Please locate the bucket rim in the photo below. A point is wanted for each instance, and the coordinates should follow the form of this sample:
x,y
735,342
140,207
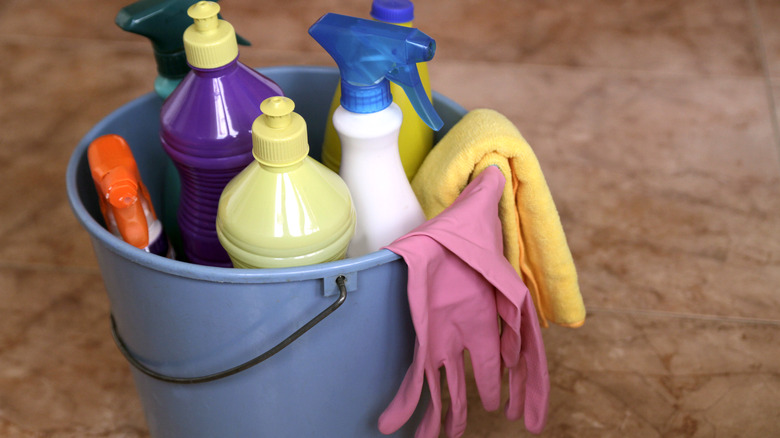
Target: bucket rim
x,y
101,236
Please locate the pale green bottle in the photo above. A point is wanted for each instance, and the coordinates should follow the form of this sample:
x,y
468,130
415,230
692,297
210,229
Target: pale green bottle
x,y
285,209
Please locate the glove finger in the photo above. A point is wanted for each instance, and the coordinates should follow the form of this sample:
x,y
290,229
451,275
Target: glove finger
x,y
455,422
430,425
406,399
515,405
511,346
511,320
509,311
485,361
537,385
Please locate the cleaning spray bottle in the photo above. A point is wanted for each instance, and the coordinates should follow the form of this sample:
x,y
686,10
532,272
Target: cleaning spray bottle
x,y
285,209
124,200
163,22
416,138
206,127
369,55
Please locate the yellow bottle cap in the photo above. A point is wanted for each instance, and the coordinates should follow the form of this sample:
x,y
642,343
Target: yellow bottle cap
x,y
209,42
279,134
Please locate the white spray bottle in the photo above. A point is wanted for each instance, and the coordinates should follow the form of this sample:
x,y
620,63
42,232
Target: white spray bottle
x,y
369,54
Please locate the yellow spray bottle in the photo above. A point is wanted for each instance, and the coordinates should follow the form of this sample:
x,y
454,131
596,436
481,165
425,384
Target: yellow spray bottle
x,y
416,138
284,209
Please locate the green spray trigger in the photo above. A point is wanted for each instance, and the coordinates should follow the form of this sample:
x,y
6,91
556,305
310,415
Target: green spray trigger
x,y
163,22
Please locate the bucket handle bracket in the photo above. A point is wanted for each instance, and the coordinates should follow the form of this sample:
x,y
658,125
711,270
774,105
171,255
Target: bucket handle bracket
x,y
332,287
341,283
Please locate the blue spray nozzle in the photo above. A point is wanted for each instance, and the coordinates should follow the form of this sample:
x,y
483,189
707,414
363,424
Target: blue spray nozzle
x,y
368,54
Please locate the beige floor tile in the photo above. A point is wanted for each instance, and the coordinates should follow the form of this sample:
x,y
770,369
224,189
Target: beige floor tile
x,y
703,37
75,20
60,374
680,36
285,29
273,28
4,5
651,376
667,185
654,129
49,105
632,122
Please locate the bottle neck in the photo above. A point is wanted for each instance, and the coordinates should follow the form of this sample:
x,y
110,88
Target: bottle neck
x,y
172,65
281,169
366,99
215,72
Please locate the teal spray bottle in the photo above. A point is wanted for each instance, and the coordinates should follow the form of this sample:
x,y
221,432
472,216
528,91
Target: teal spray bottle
x,y
163,22
369,55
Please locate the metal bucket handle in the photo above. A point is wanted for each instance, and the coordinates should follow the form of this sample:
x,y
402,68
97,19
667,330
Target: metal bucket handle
x,y
340,282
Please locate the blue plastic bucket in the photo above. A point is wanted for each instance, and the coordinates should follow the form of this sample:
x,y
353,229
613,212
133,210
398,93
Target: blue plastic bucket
x,y
181,320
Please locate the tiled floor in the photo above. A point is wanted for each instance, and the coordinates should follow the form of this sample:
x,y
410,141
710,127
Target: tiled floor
x,y
655,123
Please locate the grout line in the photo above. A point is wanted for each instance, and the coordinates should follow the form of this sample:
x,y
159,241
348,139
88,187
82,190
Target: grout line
x,y
679,315
759,36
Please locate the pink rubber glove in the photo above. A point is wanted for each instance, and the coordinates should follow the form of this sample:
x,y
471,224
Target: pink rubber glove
x,y
456,267
452,310
529,382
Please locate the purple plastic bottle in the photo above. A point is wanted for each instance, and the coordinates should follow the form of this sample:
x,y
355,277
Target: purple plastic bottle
x,y
206,128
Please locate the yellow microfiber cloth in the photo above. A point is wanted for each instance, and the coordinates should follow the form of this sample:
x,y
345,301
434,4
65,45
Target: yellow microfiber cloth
x,y
534,241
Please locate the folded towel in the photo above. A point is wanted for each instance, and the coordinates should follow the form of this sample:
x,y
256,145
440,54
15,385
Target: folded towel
x,y
534,241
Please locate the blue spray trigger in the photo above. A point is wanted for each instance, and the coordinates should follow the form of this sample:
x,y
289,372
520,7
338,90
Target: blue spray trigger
x,y
367,52
408,78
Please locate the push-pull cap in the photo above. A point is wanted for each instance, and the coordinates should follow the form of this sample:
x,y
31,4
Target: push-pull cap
x,y
368,54
279,135
209,42
163,22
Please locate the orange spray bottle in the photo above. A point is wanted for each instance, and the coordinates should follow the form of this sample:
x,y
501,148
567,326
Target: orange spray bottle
x,y
124,200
